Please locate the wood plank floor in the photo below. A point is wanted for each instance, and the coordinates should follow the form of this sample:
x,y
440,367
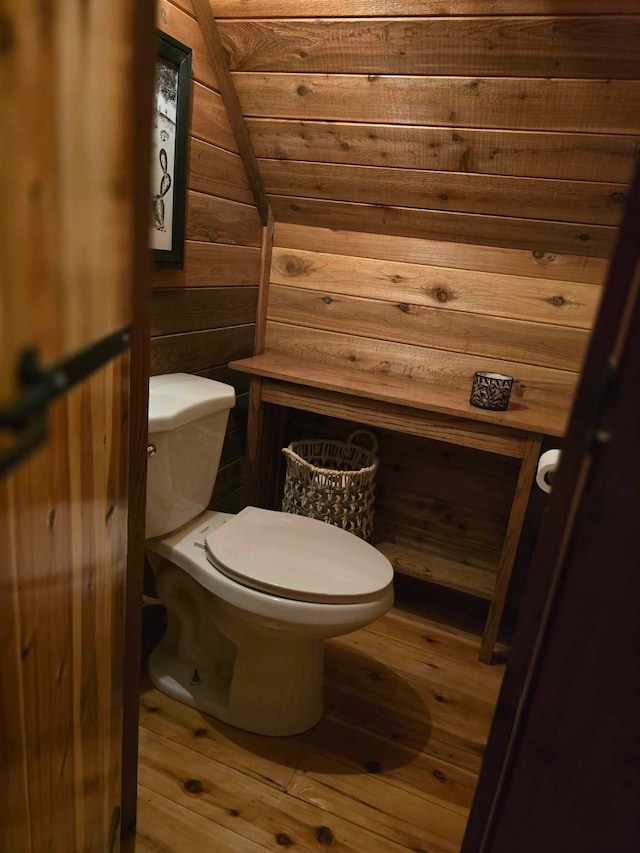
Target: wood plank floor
x,y
392,766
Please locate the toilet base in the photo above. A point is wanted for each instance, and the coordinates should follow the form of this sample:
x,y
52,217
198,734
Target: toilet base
x,y
262,681
276,688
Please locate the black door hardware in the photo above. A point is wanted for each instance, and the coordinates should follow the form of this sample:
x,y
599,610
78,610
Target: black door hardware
x,y
26,417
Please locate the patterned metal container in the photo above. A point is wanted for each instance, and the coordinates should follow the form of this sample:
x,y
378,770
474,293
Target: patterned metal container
x,y
491,391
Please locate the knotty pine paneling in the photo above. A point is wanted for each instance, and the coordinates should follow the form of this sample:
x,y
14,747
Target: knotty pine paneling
x,y
541,237
438,253
218,220
408,323
217,172
527,198
516,297
203,316
571,156
193,352
395,8
63,535
193,309
213,264
209,120
506,124
511,103
505,46
401,307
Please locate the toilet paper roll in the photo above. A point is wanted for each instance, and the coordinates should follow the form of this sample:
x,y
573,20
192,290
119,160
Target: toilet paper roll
x,y
547,465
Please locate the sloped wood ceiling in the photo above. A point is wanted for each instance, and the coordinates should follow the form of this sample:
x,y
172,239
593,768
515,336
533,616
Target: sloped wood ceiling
x,y
505,122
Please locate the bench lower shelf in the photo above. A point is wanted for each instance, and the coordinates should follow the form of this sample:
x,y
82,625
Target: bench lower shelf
x,y
429,566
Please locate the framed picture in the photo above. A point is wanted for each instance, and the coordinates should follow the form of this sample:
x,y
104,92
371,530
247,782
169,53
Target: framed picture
x,y
169,148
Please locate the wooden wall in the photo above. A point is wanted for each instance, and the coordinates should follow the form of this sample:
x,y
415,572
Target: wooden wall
x,y
435,311
511,123
203,316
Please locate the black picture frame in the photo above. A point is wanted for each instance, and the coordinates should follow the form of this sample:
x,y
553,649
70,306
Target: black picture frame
x,y
175,53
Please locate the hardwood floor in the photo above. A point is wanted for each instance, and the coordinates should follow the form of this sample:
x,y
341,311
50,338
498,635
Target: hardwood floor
x,y
391,767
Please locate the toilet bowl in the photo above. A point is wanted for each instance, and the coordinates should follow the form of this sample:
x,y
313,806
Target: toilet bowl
x,y
251,597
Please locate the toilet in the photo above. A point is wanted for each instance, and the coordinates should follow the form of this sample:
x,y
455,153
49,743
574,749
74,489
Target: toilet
x,y
250,597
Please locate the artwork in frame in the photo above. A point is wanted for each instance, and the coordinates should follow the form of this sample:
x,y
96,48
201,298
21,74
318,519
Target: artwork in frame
x,y
169,150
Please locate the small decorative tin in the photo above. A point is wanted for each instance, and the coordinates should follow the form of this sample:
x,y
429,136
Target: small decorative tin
x,y
491,391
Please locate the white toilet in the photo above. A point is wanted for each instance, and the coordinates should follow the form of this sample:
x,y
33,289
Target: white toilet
x,y
250,597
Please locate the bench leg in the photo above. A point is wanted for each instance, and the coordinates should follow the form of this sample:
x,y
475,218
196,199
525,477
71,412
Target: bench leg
x,y
514,528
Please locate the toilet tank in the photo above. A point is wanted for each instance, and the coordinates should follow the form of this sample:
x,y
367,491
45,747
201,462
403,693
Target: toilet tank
x,y
187,424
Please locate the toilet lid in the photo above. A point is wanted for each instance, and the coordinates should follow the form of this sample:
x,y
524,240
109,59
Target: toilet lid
x,y
298,558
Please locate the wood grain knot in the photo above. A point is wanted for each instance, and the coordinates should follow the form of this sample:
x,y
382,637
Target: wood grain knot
x,y
441,294
444,197
538,254
440,776
404,307
324,835
193,786
618,197
7,37
327,300
303,90
200,733
24,651
292,266
373,767
558,301
283,840
439,697
233,812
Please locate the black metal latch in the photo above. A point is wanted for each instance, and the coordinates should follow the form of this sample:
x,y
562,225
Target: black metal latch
x,y
598,431
26,417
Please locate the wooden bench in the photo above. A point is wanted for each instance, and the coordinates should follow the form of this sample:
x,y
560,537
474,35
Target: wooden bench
x,y
413,408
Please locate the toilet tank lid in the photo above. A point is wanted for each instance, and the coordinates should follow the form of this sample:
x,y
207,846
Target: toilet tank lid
x,y
176,399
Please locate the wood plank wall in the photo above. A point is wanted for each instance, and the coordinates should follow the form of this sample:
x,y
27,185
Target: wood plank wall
x,y
511,123
434,311
202,317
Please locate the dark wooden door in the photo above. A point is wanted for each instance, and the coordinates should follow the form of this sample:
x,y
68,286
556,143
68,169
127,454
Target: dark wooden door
x,y
72,250
562,768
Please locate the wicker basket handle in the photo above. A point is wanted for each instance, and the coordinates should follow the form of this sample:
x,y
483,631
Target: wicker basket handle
x,y
375,444
291,454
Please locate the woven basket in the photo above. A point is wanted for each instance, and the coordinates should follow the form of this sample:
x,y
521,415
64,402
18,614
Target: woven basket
x,y
332,481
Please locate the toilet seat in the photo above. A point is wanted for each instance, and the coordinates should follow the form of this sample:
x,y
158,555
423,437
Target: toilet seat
x,y
298,558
